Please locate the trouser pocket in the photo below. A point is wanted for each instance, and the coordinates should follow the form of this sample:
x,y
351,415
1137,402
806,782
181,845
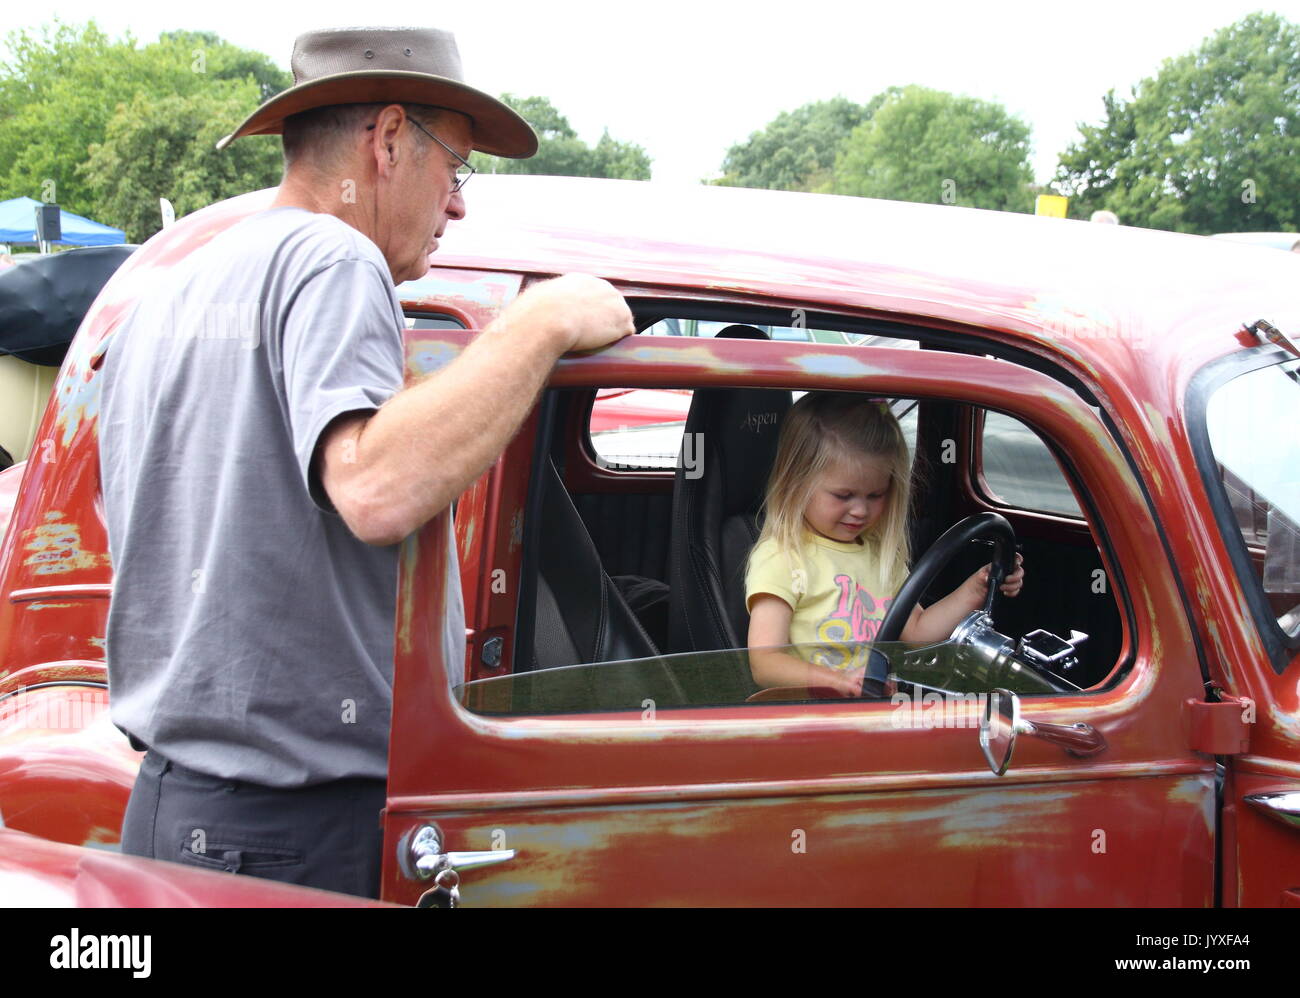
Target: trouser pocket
x,y
231,856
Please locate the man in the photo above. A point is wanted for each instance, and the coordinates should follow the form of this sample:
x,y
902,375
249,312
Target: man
x,y
260,463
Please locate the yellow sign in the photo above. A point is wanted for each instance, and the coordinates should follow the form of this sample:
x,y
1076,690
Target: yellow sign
x,y
1052,205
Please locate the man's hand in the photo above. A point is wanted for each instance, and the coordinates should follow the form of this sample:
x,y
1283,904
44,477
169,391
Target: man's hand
x,y
389,472
574,312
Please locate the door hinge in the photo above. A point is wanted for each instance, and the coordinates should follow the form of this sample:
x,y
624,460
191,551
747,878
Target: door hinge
x,y
1221,728
1266,332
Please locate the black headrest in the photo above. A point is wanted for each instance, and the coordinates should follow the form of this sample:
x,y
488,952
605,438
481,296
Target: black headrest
x,y
734,432
43,302
743,424
740,332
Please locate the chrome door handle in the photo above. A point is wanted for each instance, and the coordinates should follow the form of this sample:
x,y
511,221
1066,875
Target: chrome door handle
x,y
420,855
1283,807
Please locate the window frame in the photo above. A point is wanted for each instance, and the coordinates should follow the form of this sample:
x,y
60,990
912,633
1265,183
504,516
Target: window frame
x,y
743,313
1280,646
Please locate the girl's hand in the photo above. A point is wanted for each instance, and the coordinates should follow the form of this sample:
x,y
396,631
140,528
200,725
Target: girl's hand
x,y
1012,585
978,584
848,682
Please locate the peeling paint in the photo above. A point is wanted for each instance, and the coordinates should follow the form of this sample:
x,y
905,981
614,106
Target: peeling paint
x,y
437,286
701,356
55,547
426,357
77,399
407,589
1285,723
835,366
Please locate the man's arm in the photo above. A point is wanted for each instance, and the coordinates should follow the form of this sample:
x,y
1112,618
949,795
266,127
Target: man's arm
x,y
389,472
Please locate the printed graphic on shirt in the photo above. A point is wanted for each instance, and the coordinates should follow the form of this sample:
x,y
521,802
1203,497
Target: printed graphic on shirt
x,y
855,620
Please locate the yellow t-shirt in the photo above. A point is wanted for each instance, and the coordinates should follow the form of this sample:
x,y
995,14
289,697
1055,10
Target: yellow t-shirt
x,y
834,592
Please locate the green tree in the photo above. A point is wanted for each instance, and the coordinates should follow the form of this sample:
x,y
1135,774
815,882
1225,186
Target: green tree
x,y
796,151
164,147
928,145
62,85
560,153
1210,144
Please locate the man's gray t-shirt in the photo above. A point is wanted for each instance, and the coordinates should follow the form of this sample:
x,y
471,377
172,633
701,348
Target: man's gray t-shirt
x,y
250,633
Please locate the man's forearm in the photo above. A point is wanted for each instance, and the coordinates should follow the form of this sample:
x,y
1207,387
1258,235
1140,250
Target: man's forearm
x,y
431,440
391,472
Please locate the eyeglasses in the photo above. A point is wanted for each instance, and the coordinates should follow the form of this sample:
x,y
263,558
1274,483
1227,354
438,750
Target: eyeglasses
x,y
463,172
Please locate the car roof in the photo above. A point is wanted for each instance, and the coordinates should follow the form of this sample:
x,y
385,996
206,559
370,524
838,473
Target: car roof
x,y
1100,292
1289,241
1112,299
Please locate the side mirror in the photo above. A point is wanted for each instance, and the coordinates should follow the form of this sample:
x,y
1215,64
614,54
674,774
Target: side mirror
x,y
1002,723
999,728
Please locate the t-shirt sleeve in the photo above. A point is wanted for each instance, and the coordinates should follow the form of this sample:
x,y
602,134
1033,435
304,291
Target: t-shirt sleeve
x,y
342,352
769,572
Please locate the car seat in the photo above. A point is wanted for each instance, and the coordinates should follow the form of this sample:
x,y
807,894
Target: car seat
x,y
715,514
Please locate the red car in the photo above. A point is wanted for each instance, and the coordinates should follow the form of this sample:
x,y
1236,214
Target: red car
x,y
1118,403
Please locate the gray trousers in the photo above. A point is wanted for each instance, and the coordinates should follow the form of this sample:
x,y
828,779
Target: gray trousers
x,y
326,836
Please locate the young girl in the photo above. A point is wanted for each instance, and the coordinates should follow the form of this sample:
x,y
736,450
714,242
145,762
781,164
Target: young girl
x,y
833,551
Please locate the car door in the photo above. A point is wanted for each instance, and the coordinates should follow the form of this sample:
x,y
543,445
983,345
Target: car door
x,y
851,802
1251,608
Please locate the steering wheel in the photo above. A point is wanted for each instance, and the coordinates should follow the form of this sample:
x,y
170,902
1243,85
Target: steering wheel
x,y
935,561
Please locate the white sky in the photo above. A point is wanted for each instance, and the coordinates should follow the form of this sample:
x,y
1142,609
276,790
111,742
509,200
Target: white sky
x,y
687,79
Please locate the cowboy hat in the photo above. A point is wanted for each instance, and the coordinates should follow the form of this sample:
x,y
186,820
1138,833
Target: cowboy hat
x,y
400,65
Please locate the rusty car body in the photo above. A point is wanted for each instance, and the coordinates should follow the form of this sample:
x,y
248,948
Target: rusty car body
x,y
662,778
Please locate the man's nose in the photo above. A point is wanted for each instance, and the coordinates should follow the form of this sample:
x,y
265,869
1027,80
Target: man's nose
x,y
456,206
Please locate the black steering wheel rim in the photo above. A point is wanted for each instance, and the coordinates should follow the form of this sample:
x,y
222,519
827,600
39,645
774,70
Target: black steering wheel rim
x,y
935,560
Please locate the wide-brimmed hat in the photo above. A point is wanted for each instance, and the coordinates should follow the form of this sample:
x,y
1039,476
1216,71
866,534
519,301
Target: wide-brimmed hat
x,y
401,65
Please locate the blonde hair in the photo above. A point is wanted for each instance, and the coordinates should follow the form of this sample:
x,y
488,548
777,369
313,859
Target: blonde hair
x,y
824,428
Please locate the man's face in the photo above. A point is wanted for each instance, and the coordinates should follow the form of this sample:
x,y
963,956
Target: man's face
x,y
424,202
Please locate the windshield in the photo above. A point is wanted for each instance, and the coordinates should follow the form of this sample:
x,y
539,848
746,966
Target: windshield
x,y
1252,422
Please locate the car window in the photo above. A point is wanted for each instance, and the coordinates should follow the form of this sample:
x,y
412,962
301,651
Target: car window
x,y
633,429
1251,421
1018,469
797,332
432,320
949,674
642,429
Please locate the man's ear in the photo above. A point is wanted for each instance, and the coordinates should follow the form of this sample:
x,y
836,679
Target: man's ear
x,y
384,141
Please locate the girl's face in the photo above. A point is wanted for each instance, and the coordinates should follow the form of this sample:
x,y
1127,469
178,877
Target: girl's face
x,y
848,499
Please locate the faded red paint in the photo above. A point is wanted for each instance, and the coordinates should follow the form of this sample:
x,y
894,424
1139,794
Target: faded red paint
x,y
887,816
37,873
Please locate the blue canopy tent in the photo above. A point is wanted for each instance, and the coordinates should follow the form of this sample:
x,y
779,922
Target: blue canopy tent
x,y
18,225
